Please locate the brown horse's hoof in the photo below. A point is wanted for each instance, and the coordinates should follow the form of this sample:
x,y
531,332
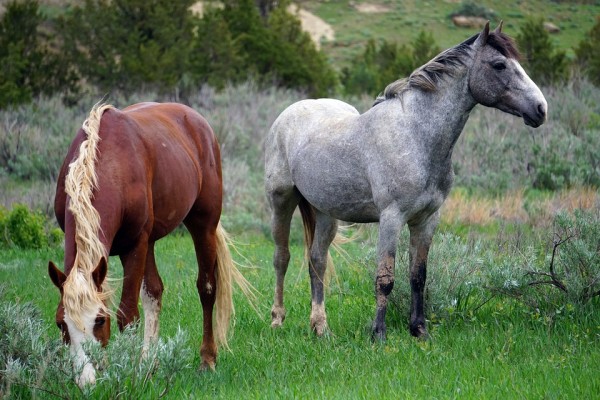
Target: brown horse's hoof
x,y
207,366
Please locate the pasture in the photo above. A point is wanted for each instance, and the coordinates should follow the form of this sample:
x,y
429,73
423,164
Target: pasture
x,y
492,335
493,346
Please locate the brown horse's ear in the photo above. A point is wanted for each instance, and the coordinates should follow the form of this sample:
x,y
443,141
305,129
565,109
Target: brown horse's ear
x,y
499,27
56,275
100,272
483,36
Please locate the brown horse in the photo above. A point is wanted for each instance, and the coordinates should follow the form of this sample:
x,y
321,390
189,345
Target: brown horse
x,y
130,177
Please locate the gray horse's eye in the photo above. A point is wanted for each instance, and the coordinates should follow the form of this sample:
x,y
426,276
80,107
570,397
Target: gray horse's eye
x,y
100,321
499,66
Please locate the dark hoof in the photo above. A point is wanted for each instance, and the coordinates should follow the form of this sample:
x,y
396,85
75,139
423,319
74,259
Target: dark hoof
x,y
378,333
419,331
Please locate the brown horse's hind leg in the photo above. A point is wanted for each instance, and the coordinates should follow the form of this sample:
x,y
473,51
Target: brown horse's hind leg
x,y
206,254
325,230
420,241
151,294
283,204
134,263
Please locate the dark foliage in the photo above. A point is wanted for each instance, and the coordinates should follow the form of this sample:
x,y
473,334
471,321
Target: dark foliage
x,y
588,54
543,62
28,67
376,67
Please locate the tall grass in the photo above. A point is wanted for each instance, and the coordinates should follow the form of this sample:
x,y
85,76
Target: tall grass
x,y
502,348
495,153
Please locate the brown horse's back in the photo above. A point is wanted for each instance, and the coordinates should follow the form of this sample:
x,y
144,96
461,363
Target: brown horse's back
x,y
130,177
156,163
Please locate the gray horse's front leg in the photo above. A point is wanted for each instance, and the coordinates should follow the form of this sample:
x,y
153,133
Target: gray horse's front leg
x,y
389,229
420,241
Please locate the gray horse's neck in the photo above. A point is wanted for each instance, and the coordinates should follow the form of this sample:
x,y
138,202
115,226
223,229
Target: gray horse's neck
x,y
436,117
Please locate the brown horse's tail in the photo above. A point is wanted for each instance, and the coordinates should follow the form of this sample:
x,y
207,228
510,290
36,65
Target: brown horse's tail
x,y
226,274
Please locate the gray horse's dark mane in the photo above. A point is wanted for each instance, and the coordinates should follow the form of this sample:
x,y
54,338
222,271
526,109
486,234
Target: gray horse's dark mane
x,y
428,76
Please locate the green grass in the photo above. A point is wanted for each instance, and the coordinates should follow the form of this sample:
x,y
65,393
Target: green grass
x,y
503,350
406,19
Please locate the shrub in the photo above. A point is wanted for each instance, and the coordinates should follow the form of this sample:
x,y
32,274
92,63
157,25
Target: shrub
x,y
33,365
569,274
377,67
128,44
573,266
471,9
26,229
456,276
588,54
544,63
27,67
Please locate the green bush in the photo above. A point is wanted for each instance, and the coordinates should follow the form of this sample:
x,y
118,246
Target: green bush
x,y
27,67
271,48
456,276
376,67
34,366
543,62
129,44
26,229
567,275
588,54
471,9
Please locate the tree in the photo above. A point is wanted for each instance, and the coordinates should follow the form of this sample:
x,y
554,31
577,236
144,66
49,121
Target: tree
x,y
376,67
27,67
216,57
273,48
424,49
545,64
129,44
588,53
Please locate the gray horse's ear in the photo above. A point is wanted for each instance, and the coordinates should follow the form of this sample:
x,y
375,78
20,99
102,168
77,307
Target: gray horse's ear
x,y
483,36
499,27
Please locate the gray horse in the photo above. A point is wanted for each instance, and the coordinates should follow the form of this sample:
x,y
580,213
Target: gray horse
x,y
392,164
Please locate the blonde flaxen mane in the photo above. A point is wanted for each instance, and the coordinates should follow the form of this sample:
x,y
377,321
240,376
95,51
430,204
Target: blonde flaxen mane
x,y
80,295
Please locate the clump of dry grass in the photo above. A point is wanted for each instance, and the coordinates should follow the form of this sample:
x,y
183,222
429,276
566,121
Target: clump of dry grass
x,y
514,206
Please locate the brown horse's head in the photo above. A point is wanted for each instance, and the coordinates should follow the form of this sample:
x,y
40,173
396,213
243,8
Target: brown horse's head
x,y
81,316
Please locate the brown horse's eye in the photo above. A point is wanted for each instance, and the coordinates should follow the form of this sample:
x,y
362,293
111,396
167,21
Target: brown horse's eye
x,y
100,321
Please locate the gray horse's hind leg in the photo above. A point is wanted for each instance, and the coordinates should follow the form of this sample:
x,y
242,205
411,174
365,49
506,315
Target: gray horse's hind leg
x,y
325,231
283,203
390,224
420,241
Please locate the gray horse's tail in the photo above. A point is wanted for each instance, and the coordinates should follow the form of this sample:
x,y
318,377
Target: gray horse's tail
x,y
309,221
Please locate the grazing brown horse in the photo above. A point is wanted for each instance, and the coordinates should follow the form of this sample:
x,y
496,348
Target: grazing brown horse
x,y
130,177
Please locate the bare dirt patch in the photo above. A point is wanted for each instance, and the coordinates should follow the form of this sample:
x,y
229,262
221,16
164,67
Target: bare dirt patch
x,y
369,8
313,25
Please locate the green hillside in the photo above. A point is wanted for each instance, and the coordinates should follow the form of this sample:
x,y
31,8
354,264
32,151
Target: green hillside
x,y
404,19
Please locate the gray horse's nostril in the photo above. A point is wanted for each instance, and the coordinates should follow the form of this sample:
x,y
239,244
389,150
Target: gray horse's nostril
x,y
541,110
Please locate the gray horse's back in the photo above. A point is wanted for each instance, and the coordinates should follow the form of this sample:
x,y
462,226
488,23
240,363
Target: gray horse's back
x,y
315,147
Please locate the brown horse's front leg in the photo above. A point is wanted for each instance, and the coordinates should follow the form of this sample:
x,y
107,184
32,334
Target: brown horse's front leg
x,y
134,264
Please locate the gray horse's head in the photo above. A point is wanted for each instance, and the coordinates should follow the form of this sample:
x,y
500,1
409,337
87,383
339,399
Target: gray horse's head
x,y
496,79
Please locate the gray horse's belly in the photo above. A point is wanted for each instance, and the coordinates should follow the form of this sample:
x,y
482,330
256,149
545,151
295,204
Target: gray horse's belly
x,y
339,192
